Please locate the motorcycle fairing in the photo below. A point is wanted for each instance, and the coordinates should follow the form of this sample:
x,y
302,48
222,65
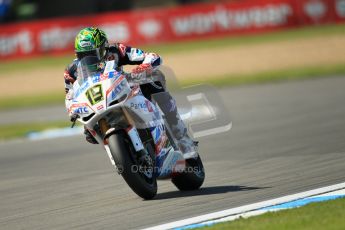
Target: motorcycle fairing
x,y
143,113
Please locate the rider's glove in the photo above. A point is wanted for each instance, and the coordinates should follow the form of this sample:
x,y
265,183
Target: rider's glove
x,y
141,71
68,77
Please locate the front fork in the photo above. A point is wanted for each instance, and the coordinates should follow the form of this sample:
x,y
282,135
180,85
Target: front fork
x,y
104,127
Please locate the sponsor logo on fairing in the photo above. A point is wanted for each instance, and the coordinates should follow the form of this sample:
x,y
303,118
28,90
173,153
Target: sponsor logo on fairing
x,y
113,94
139,106
118,83
144,106
81,110
117,90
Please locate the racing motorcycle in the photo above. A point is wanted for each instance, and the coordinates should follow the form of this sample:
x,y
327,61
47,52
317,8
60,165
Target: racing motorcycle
x,y
132,129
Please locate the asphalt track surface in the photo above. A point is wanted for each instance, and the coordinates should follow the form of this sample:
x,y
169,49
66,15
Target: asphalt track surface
x,y
286,138
40,114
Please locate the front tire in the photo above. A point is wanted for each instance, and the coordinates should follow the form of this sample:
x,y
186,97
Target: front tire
x,y
124,159
193,176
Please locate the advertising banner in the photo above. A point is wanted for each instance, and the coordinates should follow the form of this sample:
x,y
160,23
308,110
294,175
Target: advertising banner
x,y
154,26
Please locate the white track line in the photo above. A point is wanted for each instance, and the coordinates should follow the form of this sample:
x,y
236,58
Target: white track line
x,y
55,133
247,208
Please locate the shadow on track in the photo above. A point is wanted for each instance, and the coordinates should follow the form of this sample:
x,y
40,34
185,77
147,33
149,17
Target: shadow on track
x,y
205,191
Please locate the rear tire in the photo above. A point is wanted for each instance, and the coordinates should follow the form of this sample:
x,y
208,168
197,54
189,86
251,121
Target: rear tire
x,y
193,176
123,156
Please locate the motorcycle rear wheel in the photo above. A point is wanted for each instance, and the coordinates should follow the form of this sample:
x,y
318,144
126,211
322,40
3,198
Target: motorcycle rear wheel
x,y
193,176
124,159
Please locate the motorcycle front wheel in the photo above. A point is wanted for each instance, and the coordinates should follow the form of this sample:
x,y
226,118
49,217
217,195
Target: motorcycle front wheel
x,y
127,165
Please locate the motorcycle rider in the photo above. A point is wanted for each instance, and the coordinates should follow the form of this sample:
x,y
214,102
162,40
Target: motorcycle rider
x,y
92,41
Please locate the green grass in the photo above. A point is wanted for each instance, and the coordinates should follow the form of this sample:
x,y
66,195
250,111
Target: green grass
x,y
317,216
21,130
203,44
34,63
52,98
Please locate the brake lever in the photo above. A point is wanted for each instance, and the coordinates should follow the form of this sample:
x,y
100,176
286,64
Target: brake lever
x,y
74,118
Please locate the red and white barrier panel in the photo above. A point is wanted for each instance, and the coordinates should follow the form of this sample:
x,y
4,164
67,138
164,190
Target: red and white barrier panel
x,y
169,24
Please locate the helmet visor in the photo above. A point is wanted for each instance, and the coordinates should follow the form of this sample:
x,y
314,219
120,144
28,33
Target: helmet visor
x,y
99,53
83,54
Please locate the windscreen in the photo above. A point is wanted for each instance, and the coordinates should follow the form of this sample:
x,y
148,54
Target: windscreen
x,y
88,67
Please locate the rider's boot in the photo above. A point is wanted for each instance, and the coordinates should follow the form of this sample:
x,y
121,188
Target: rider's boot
x,y
168,106
185,142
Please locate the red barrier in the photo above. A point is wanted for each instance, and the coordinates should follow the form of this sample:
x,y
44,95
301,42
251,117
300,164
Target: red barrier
x,y
169,24
316,12
339,10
